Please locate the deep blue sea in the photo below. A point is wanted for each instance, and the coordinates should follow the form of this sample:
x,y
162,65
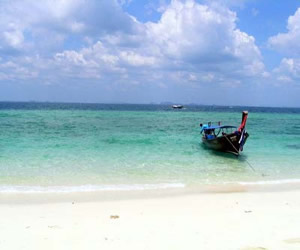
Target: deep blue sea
x,y
85,147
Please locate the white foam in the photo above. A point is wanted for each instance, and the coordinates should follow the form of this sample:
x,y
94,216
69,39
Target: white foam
x,y
268,182
87,188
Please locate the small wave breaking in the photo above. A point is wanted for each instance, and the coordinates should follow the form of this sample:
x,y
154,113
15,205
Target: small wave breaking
x,y
268,182
88,188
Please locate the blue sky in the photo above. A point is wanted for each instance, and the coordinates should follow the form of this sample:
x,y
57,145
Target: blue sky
x,y
234,52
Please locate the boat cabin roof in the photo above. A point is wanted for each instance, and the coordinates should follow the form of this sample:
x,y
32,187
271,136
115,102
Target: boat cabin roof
x,y
206,127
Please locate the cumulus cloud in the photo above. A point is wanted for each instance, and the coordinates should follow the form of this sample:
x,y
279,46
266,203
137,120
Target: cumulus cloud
x,y
288,70
11,71
288,43
191,44
31,25
189,37
203,36
12,36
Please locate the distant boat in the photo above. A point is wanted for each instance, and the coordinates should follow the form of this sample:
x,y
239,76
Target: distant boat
x,y
225,138
177,106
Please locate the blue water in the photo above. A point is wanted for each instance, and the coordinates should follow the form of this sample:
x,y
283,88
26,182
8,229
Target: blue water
x,y
59,146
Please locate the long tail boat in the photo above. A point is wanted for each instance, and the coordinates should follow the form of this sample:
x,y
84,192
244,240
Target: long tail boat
x,y
225,138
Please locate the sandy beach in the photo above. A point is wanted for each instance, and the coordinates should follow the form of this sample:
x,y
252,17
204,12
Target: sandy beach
x,y
242,220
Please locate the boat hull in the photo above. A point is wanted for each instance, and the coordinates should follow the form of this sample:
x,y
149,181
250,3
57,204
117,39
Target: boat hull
x,y
177,106
227,143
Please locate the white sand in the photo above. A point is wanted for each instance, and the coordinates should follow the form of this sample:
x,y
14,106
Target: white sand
x,y
199,221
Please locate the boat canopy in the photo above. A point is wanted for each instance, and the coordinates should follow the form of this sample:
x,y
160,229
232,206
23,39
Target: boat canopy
x,y
206,127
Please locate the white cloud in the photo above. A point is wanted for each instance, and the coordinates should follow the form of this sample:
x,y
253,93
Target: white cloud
x,y
283,78
289,69
192,44
25,24
289,42
12,71
12,36
135,59
202,36
189,37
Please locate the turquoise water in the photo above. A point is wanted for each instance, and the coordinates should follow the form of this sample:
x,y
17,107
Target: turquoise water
x,y
46,146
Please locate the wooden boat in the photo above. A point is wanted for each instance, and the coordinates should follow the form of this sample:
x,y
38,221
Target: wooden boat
x,y
225,138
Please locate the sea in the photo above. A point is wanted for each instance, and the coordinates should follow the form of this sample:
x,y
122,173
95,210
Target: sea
x,y
76,147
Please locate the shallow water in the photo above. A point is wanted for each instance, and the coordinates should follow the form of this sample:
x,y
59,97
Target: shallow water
x,y
71,147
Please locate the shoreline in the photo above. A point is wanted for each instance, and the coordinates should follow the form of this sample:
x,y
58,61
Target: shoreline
x,y
233,220
42,195
251,185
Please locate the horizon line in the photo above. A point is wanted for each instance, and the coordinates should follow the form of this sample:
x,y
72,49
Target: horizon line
x,y
149,103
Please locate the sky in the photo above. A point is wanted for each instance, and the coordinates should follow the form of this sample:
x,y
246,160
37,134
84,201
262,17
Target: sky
x,y
212,52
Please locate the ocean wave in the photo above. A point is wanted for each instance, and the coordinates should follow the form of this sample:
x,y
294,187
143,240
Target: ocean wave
x,y
88,188
269,182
